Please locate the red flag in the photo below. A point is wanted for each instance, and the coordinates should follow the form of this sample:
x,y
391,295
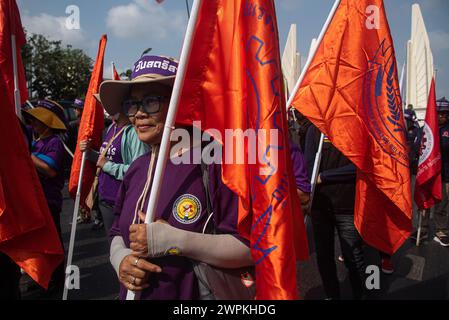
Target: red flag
x,y
428,189
351,93
116,75
91,127
234,81
27,231
11,25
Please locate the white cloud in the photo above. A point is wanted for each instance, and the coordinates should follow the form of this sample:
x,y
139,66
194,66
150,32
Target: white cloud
x,y
145,19
439,40
54,28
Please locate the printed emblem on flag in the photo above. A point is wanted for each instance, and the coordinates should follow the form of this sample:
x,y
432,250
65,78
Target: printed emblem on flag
x,y
384,114
247,280
427,142
187,209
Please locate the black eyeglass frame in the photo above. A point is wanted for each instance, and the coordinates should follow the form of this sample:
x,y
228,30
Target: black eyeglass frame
x,y
143,105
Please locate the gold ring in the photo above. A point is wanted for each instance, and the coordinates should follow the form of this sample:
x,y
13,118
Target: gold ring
x,y
136,262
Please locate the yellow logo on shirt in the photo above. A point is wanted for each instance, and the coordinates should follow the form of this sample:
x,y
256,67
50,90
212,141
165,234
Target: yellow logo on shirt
x,y
187,209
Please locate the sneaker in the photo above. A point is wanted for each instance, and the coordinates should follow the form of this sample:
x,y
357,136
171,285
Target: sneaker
x,y
423,236
98,225
442,240
387,266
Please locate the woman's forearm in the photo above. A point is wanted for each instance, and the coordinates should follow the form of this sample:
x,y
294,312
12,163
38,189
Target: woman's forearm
x,y
224,251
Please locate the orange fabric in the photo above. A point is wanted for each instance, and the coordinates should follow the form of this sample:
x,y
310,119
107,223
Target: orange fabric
x,y
234,81
27,231
10,24
351,93
428,188
91,127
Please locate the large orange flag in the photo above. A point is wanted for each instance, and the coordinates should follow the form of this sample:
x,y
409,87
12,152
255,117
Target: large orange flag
x,y
351,93
27,231
234,81
91,127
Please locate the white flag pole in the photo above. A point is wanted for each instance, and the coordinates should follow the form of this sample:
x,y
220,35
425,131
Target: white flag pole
x,y
313,53
73,231
112,70
16,78
169,125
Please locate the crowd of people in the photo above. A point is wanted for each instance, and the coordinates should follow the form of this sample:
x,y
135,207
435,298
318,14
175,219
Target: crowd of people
x,y
197,212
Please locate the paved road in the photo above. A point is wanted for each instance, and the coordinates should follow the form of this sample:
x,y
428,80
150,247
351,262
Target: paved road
x,y
421,272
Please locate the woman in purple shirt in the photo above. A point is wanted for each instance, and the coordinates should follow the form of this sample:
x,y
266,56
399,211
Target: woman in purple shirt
x,y
157,259
49,156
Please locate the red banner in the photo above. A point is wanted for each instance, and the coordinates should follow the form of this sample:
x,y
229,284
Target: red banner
x,y
428,189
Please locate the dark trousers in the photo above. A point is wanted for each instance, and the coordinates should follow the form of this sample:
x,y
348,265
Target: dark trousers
x,y
9,279
324,225
106,211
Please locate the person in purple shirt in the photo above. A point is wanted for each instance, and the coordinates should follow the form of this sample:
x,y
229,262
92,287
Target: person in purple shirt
x,y
157,259
48,155
300,172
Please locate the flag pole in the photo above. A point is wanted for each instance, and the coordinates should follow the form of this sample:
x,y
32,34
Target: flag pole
x,y
74,223
16,77
112,70
188,9
313,52
315,172
170,122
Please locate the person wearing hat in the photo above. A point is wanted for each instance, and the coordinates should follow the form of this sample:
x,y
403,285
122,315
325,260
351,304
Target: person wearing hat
x,y
48,155
123,147
157,259
441,212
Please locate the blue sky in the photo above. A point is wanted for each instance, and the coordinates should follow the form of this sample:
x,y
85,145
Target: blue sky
x,y
134,25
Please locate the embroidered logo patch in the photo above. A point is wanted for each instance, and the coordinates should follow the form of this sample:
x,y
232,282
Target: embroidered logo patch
x,y
187,209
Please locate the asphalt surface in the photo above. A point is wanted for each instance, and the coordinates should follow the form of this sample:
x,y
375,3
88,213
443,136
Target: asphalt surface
x,y
420,272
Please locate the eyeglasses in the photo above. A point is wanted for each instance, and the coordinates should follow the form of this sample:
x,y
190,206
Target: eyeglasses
x,y
149,105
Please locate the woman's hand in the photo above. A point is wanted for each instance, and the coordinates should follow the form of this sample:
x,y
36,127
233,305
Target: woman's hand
x,y
138,237
84,145
102,161
134,272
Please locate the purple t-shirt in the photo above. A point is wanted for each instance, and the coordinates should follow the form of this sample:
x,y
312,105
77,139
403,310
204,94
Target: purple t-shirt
x,y
182,204
52,152
108,185
299,169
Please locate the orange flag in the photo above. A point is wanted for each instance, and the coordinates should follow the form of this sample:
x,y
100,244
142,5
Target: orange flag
x,y
428,189
234,81
27,231
91,127
351,93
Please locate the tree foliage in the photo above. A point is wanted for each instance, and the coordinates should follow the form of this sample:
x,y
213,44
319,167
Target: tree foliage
x,y
54,71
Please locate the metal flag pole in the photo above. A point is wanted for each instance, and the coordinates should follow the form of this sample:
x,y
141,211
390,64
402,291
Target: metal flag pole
x,y
315,173
73,230
169,124
188,9
16,78
112,70
418,235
